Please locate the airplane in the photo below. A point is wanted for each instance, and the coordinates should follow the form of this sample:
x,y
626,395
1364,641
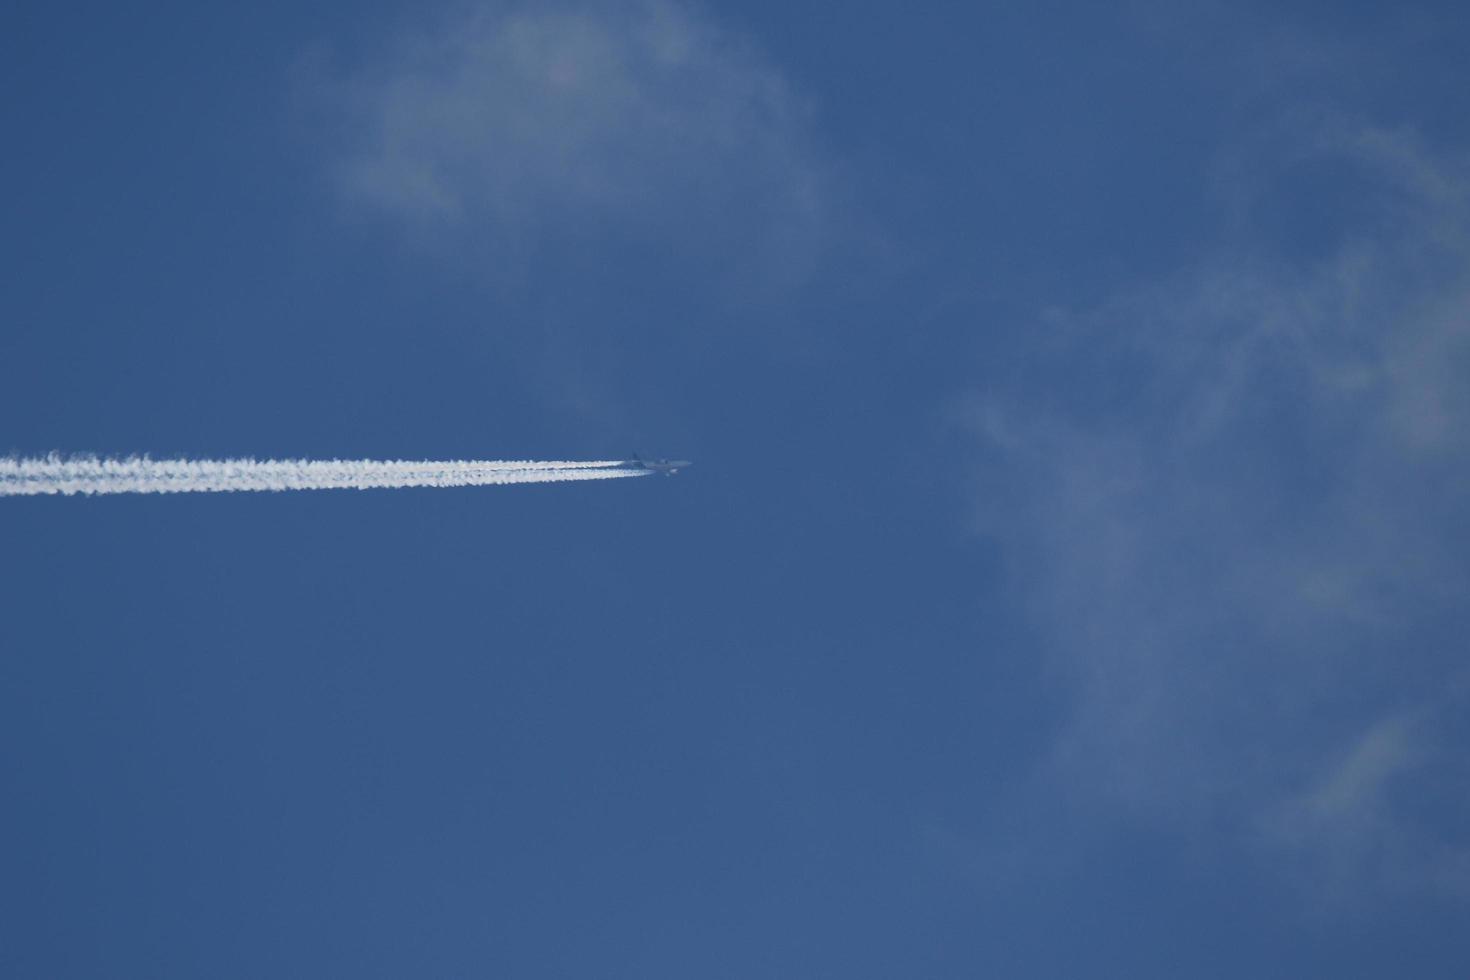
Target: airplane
x,y
668,467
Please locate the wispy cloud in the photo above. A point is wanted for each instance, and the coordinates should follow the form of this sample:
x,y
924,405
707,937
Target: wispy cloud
x,y
511,122
1237,503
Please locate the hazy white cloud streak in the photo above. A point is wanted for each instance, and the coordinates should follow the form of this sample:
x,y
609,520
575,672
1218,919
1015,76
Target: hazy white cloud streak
x,y
92,475
1235,503
509,125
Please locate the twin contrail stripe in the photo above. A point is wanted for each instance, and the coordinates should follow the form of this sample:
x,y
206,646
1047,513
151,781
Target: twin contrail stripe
x,y
93,475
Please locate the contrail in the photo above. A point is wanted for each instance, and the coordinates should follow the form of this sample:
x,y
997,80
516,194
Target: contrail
x,y
93,475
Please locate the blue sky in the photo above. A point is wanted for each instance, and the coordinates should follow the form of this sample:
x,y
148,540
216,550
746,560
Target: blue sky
x,y
1072,578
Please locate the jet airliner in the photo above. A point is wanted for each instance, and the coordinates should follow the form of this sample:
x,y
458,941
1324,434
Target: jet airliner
x,y
668,467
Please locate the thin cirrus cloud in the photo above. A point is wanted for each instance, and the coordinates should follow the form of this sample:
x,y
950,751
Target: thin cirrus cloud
x,y
512,122
1235,503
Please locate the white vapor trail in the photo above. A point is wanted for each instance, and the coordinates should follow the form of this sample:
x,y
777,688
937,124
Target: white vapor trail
x,y
93,475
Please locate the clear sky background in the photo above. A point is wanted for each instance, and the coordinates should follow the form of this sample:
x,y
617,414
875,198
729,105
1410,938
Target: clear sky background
x,y
1074,578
